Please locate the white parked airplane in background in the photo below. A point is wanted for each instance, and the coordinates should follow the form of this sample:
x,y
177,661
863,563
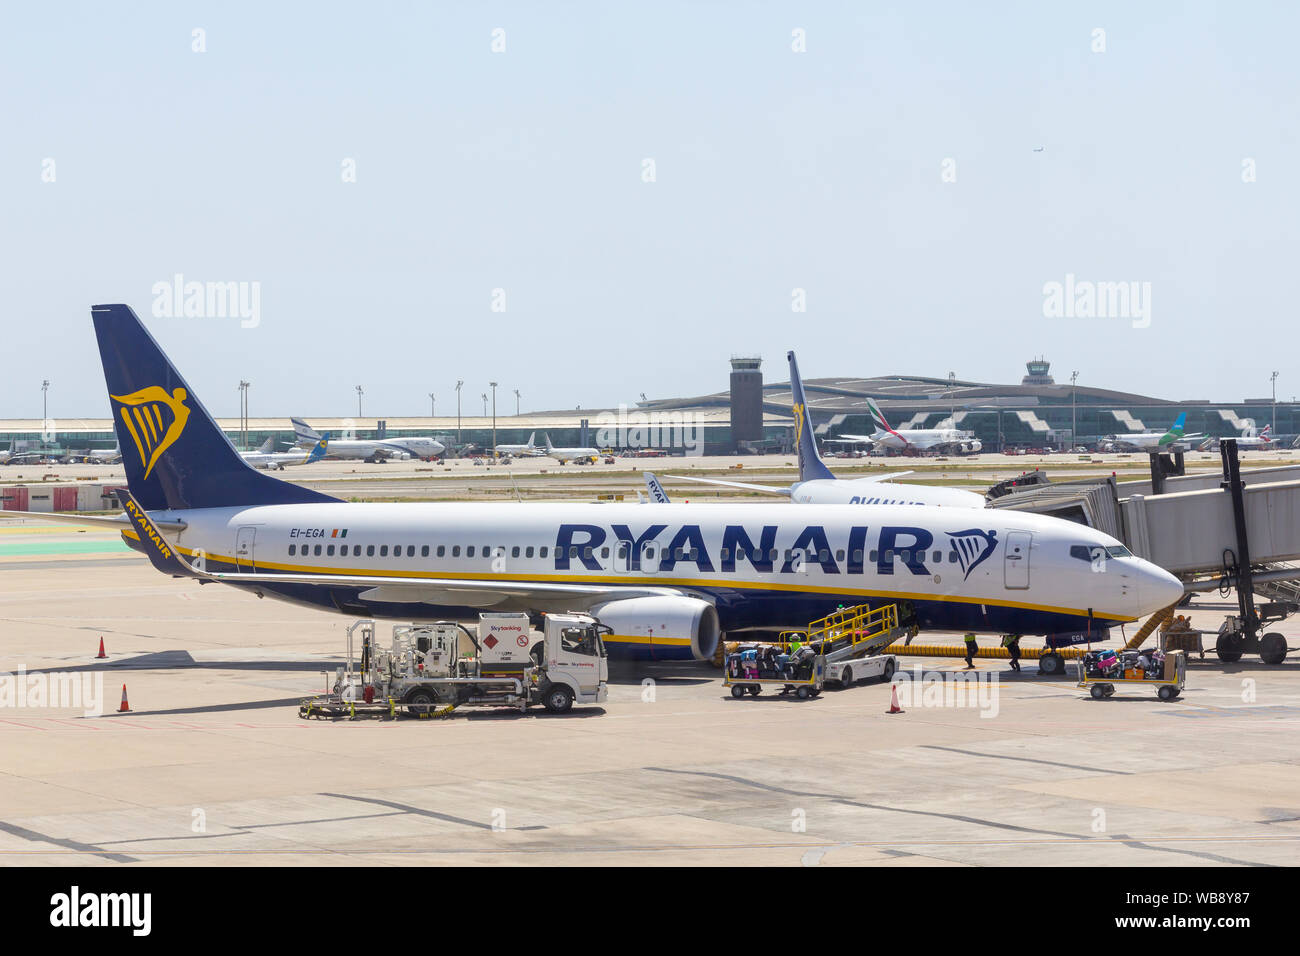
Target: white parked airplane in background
x,y
22,457
564,455
668,579
949,440
1264,441
370,449
528,450
282,459
1149,440
96,456
816,484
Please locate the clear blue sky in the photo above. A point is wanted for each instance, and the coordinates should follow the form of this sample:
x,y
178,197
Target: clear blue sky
x,y
522,171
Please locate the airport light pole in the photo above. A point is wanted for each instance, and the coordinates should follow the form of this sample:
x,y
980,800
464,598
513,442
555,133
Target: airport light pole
x,y
494,418
1074,436
433,406
243,413
459,383
45,409
359,394
483,396
516,403
1274,379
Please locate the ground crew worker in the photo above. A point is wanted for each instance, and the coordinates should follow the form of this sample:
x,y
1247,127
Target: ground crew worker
x,y
1012,643
971,648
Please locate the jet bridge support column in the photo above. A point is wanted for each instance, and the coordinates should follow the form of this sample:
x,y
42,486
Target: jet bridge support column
x,y
1232,645
1163,465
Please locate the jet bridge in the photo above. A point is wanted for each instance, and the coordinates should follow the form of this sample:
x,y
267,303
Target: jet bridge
x,y
1221,531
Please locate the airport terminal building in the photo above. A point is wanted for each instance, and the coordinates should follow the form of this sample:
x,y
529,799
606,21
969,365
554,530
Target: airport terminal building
x,y
751,415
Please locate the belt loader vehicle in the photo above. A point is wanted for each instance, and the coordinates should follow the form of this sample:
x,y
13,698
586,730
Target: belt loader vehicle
x,y
841,648
427,669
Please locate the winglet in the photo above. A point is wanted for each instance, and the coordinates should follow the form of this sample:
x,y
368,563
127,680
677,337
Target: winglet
x,y
155,547
810,463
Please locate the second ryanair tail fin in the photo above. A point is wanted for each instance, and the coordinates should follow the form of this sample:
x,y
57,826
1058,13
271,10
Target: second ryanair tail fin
x,y
810,462
176,457
655,488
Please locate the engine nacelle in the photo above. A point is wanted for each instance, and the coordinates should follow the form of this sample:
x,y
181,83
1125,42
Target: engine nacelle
x,y
660,628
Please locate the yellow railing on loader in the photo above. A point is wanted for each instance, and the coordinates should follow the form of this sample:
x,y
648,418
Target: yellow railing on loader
x,y
853,624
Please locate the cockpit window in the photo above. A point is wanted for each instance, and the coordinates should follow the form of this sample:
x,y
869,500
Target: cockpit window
x,y
1119,551
1083,552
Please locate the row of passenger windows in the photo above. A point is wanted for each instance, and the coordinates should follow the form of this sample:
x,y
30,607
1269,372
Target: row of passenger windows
x,y
398,550
681,554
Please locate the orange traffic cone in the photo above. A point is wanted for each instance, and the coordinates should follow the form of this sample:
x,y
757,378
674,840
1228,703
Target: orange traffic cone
x,y
125,708
101,655
893,703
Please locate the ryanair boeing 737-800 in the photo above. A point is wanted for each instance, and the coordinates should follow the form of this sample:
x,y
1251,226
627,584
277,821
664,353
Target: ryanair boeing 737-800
x,y
668,579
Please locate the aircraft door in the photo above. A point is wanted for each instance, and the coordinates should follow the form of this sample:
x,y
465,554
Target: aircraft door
x,y
623,556
244,549
1016,560
650,557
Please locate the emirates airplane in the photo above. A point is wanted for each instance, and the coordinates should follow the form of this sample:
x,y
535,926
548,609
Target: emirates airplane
x,y
668,579
951,440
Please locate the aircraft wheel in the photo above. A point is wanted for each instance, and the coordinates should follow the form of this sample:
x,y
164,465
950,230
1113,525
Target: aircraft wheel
x,y
1228,647
1051,664
1272,648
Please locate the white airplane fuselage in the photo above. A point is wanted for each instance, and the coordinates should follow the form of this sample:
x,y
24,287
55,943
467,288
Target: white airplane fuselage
x,y
923,439
767,566
850,491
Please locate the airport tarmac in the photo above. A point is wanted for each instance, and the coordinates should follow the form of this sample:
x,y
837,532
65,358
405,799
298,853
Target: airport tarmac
x,y
540,479
213,765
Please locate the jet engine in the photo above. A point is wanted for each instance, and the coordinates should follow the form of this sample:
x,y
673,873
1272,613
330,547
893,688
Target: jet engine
x,y
664,628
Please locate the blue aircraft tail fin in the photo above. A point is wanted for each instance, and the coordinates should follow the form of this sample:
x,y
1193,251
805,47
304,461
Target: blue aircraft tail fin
x,y
810,462
175,455
318,451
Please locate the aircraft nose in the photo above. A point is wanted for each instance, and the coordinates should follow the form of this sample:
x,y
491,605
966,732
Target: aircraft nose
x,y
1158,588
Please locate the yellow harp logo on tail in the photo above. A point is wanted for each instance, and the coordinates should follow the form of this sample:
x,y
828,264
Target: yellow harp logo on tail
x,y
798,423
154,420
